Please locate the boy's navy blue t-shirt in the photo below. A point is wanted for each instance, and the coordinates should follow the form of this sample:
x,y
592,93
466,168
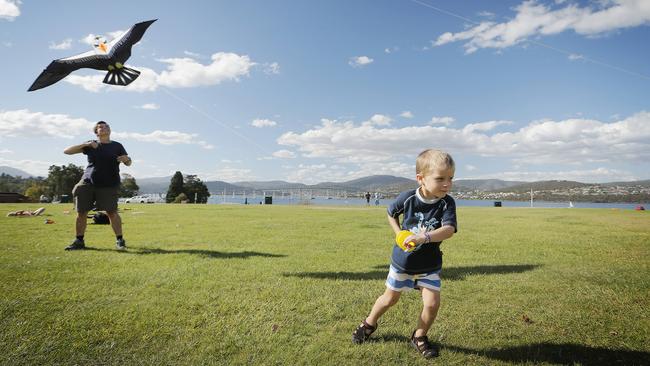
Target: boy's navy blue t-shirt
x,y
421,215
103,168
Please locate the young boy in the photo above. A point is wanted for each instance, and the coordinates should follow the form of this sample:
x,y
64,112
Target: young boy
x,y
430,215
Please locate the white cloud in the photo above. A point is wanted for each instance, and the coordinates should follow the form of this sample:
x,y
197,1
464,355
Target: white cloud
x,y
575,56
180,73
146,82
89,39
6,151
534,19
406,114
485,126
571,141
148,106
114,34
379,120
164,138
317,173
284,154
64,45
486,14
192,54
470,167
272,68
229,174
187,73
24,123
260,123
35,167
359,61
9,9
109,36
441,121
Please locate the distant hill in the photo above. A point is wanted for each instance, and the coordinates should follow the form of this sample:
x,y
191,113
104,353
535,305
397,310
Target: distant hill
x,y
273,184
153,185
385,184
161,184
371,183
217,186
636,183
544,186
14,172
483,184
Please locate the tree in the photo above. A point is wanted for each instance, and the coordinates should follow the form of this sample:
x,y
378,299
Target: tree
x,y
175,187
128,186
36,190
181,198
18,184
61,179
195,189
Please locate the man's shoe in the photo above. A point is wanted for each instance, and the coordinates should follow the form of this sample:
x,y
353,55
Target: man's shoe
x,y
120,244
77,244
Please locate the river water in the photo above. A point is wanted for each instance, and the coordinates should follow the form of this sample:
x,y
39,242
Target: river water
x,y
219,199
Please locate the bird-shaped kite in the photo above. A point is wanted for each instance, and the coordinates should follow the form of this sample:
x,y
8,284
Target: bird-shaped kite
x,y
109,56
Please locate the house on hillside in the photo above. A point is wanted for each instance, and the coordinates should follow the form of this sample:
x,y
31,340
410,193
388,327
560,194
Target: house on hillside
x,y
11,197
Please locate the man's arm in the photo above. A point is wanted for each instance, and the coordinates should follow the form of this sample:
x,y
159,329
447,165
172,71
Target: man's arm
x,y
125,159
76,149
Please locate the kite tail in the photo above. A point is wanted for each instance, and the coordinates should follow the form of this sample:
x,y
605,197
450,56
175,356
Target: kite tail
x,y
122,76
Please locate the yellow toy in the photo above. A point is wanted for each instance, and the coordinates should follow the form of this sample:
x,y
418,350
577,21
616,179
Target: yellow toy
x,y
399,239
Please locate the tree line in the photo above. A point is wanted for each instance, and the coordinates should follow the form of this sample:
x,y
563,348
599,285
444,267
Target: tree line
x,y
61,179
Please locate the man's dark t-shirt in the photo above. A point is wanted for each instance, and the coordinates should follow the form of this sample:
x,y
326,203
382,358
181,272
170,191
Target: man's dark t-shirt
x,y
103,168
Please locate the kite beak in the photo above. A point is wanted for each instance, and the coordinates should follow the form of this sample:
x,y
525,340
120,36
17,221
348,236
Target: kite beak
x,y
102,47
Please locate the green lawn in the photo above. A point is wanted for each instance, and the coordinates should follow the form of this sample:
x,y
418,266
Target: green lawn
x,y
286,285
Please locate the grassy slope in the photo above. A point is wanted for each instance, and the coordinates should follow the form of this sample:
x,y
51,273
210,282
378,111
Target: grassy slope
x,y
218,284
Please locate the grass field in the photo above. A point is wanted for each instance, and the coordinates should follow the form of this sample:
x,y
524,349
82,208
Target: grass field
x,y
286,285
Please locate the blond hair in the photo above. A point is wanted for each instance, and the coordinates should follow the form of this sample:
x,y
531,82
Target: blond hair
x,y
431,159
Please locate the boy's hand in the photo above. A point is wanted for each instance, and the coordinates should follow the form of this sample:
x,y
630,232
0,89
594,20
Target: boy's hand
x,y
417,239
404,240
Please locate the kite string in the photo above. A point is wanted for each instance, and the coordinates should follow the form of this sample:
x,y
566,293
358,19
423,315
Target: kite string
x,y
208,116
553,48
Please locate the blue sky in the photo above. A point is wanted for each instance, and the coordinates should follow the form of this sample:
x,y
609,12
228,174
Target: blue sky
x,y
313,91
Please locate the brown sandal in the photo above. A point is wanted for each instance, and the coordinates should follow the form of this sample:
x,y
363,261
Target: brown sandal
x,y
422,345
363,332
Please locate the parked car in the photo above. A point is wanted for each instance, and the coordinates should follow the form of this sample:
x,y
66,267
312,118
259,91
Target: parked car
x,y
139,199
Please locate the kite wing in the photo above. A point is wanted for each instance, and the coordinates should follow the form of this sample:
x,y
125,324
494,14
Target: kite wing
x,y
58,69
120,47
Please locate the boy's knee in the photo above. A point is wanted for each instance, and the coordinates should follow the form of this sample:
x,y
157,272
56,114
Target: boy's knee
x,y
431,300
391,297
432,306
